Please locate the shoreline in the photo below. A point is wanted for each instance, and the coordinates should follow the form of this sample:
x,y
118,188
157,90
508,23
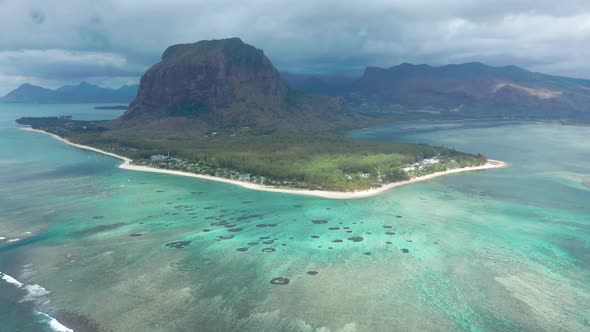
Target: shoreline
x,y
253,186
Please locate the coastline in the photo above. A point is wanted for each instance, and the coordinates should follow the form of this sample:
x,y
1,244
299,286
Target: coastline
x,y
318,193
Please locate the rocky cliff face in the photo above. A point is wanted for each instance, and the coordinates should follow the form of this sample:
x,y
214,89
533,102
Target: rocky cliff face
x,y
217,75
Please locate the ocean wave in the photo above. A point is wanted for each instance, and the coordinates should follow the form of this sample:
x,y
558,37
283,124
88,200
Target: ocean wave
x,y
53,323
36,293
11,280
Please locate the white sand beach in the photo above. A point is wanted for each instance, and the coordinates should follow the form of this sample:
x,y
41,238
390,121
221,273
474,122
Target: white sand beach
x,y
318,193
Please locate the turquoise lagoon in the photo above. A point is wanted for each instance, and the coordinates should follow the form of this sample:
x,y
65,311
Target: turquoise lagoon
x,y
498,250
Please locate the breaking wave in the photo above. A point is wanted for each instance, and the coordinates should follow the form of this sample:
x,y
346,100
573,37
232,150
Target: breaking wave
x,y
37,294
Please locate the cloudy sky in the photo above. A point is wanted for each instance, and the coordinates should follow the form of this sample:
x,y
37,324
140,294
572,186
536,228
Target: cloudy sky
x,y
111,42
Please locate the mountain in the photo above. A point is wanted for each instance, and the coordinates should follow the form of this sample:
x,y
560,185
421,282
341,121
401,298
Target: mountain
x,y
470,89
82,93
226,84
28,93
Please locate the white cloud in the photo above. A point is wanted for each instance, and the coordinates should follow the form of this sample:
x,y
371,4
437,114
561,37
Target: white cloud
x,y
63,64
55,56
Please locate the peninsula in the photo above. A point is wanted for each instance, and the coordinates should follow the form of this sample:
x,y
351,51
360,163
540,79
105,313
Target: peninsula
x,y
128,165
219,110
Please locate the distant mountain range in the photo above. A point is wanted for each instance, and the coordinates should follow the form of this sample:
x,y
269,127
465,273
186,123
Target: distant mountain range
x,y
70,94
227,83
463,90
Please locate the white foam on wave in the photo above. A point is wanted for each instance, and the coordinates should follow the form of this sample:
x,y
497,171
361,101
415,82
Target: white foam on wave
x,y
54,324
13,240
35,292
2,238
11,280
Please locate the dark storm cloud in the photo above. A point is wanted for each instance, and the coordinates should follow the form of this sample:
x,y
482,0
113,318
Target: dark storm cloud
x,y
305,36
37,16
93,35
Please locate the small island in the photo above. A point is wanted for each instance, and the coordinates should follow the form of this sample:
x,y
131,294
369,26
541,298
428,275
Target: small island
x,y
239,122
114,107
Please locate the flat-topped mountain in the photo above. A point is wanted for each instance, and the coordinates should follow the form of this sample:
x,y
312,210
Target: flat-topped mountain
x,y
226,83
470,89
217,74
81,93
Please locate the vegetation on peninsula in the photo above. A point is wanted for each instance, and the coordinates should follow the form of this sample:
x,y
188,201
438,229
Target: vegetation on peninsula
x,y
322,161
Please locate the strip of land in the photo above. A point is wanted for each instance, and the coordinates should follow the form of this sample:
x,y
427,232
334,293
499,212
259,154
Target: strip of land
x,y
127,164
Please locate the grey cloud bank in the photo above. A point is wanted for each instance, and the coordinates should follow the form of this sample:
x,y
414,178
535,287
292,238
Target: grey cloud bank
x,y
112,42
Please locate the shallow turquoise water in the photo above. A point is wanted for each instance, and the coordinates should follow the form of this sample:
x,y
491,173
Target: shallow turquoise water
x,y
505,249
